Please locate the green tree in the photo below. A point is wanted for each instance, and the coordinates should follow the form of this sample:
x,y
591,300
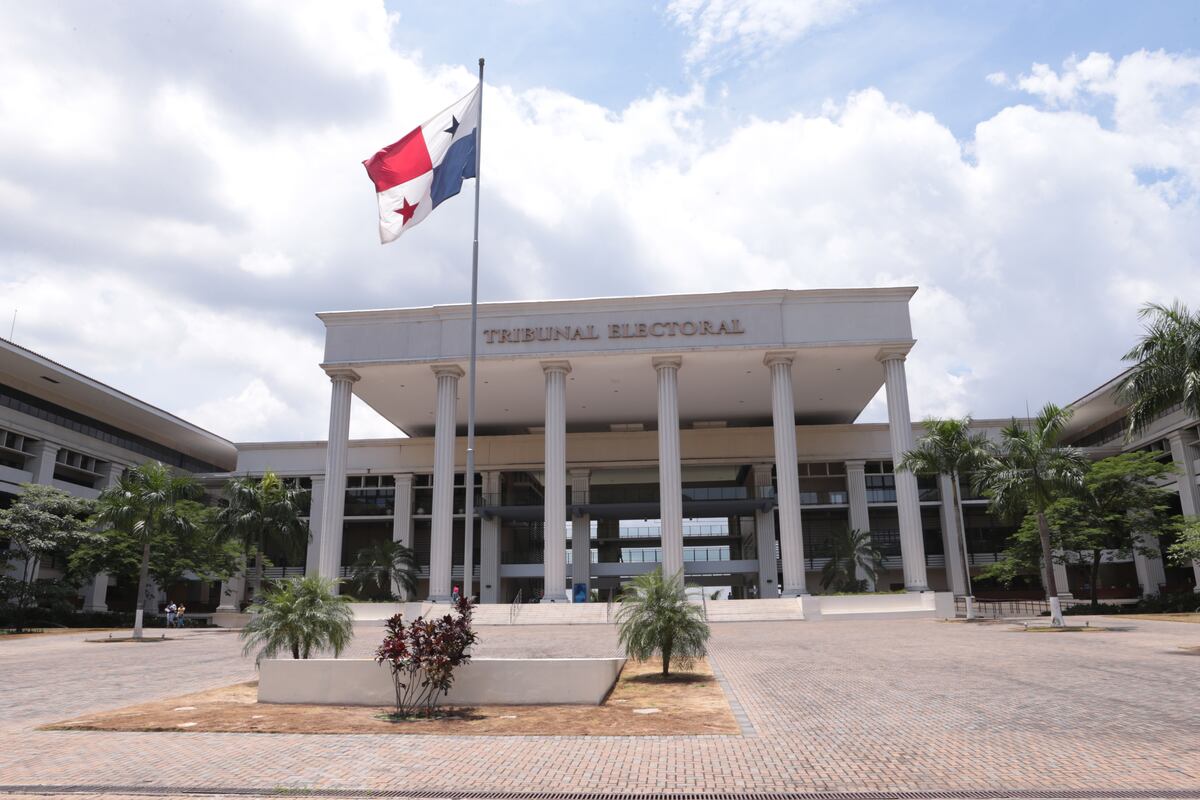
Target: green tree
x,y
146,504
1186,547
1117,507
300,616
656,617
851,551
195,546
42,522
1029,471
950,448
262,513
1167,365
384,565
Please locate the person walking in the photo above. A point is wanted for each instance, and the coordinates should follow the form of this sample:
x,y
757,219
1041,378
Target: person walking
x,y
179,612
171,611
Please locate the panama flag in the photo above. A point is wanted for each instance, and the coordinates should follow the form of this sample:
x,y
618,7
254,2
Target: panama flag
x,y
414,175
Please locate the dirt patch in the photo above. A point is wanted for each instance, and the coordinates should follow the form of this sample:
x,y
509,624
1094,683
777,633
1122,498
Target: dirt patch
x,y
6,636
1064,629
1187,617
641,704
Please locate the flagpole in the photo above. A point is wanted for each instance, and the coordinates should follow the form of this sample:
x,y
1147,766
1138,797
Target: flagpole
x,y
469,521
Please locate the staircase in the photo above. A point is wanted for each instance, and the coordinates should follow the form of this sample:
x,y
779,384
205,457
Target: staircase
x,y
759,610
541,614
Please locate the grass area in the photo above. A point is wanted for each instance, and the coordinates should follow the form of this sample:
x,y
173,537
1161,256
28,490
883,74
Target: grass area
x,y
1187,617
689,703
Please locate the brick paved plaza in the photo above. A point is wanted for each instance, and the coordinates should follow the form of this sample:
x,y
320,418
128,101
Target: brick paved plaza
x,y
836,706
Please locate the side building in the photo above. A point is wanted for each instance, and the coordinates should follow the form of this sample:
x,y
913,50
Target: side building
x,y
64,429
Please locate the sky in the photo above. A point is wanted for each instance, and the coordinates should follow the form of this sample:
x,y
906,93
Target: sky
x,y
181,186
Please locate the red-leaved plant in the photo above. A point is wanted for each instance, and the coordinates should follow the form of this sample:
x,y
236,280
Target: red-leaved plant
x,y
423,655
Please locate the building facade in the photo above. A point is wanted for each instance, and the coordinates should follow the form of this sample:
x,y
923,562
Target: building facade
x,y
714,434
64,429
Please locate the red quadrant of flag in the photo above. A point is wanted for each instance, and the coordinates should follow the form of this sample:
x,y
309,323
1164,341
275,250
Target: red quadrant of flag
x,y
400,162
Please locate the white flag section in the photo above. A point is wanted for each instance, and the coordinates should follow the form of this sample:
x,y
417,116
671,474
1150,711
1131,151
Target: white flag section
x,y
414,175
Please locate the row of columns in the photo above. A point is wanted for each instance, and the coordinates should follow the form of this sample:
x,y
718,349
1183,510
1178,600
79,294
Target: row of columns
x,y
667,369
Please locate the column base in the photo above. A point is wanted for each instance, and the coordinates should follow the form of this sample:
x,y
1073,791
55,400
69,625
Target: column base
x,y
917,589
561,597
96,609
222,609
440,598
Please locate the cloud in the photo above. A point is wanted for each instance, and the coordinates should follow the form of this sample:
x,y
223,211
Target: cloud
x,y
213,206
726,32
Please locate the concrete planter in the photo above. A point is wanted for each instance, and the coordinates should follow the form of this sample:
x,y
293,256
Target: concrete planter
x,y
484,681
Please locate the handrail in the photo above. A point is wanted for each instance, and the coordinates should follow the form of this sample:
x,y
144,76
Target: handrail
x,y
514,607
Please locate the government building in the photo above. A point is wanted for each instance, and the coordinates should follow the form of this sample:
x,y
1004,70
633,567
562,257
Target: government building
x,y
713,433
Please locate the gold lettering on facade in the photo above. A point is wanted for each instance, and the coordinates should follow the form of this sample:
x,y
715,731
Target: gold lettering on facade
x,y
615,330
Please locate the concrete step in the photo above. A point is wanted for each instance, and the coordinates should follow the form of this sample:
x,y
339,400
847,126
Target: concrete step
x,y
767,609
542,614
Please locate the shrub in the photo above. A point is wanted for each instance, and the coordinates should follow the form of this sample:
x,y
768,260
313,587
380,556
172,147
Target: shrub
x,y
423,656
656,617
301,615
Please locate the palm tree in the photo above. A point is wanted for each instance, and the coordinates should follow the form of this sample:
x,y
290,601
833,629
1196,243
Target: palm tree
x,y
145,503
1029,471
263,513
656,617
1167,371
949,448
851,552
300,615
389,564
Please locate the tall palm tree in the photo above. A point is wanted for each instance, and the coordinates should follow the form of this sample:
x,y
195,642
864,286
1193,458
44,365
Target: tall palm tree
x,y
388,563
851,553
144,503
299,615
950,448
656,617
263,513
1029,471
1167,368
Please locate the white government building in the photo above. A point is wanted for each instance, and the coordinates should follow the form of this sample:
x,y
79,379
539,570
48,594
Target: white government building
x,y
712,433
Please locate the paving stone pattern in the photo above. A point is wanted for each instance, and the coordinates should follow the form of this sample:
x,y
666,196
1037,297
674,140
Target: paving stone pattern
x,y
834,706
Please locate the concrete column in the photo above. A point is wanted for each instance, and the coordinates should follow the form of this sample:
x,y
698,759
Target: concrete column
x,y
670,483
1150,572
316,510
764,534
1061,578
783,417
1183,455
554,551
402,520
489,544
41,466
441,545
908,506
581,532
96,593
860,516
951,537
334,507
233,591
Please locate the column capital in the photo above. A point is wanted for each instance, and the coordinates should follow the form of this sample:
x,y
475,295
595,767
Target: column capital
x,y
1177,436
549,367
893,353
667,362
856,464
779,357
402,477
580,472
340,374
453,370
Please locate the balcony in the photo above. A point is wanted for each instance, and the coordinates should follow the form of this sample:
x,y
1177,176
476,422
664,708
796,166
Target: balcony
x,y
634,502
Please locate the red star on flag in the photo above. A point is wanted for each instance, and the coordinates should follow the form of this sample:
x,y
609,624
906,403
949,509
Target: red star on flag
x,y
407,211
